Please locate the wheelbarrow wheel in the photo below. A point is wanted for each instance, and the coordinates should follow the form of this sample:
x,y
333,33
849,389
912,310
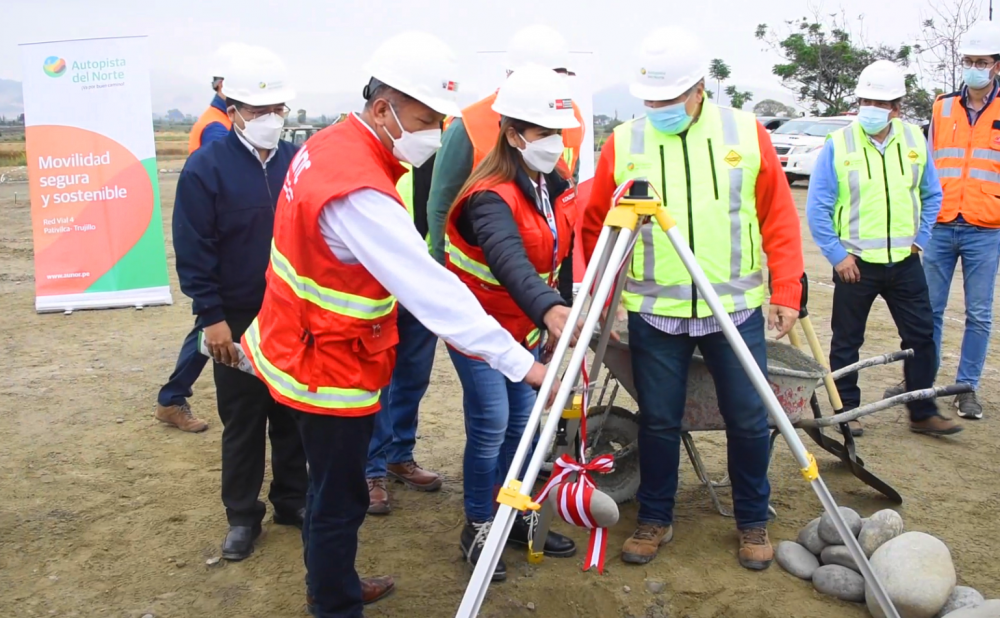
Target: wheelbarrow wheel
x,y
617,432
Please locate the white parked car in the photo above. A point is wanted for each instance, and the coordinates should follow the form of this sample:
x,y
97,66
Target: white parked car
x,y
799,141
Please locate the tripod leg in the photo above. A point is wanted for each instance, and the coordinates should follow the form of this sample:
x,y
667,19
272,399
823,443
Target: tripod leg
x,y
805,459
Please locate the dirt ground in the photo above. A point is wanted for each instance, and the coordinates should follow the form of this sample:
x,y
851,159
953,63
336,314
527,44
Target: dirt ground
x,y
105,513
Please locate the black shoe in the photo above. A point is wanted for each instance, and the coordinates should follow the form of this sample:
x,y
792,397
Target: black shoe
x,y
556,545
239,542
473,538
290,519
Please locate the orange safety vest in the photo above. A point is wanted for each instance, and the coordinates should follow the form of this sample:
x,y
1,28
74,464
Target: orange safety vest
x,y
469,262
968,161
483,126
212,114
325,338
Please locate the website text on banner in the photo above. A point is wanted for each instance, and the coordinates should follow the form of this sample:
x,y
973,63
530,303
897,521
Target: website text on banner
x,y
95,200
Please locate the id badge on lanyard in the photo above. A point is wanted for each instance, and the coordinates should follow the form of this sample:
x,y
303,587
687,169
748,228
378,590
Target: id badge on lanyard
x,y
550,218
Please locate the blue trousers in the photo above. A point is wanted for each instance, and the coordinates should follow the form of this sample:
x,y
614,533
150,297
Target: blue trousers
x,y
190,363
660,365
395,432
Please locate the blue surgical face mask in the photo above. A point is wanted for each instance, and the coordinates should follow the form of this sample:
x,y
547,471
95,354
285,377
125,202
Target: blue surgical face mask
x,y
976,78
873,119
670,119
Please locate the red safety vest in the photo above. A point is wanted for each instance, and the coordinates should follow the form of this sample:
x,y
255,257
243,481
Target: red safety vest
x,y
212,114
325,338
483,127
469,262
967,158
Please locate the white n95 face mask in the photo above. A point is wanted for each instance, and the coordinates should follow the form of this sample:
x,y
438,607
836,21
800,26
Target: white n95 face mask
x,y
543,154
264,132
414,148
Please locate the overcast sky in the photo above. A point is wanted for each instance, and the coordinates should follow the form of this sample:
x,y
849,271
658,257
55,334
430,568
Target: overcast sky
x,y
326,42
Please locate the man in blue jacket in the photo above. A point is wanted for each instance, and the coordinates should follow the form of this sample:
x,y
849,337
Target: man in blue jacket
x,y
223,221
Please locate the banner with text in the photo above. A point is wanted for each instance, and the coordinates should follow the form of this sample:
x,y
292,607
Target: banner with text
x,y
95,199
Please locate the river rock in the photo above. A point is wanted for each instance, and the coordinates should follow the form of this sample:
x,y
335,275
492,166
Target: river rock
x,y
828,532
796,559
838,554
881,527
840,582
809,537
961,596
917,572
989,609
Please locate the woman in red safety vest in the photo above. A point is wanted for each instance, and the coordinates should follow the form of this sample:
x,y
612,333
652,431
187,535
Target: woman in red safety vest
x,y
508,238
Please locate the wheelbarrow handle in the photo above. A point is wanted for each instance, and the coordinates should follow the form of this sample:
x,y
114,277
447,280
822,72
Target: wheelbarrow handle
x,y
803,300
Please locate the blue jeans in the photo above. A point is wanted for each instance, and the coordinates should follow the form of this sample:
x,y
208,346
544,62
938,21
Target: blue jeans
x,y
190,363
496,414
396,423
979,249
660,365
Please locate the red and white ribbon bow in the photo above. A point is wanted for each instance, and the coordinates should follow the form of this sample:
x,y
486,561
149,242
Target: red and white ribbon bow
x,y
573,499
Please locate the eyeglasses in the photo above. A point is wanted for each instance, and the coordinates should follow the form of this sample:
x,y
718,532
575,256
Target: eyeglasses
x,y
968,63
251,113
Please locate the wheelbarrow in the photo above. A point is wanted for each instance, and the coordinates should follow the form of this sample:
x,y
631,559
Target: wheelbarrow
x,y
793,375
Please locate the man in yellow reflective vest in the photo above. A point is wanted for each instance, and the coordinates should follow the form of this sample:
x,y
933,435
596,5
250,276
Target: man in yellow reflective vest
x,y
719,176
390,454
873,199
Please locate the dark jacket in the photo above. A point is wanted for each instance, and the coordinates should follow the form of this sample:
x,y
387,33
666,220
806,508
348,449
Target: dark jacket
x,y
223,225
487,222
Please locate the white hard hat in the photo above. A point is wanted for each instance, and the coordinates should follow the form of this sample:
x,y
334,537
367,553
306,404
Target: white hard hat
x,y
223,57
419,65
670,62
982,39
881,80
537,44
537,95
256,76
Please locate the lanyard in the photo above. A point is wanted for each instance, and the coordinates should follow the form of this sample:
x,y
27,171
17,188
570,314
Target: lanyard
x,y
550,218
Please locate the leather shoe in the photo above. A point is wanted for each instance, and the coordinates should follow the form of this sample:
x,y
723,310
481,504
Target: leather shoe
x,y
239,542
290,519
378,497
936,426
414,477
556,545
372,589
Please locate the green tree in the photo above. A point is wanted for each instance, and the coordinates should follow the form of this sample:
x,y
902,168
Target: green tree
x,y
719,71
770,107
738,99
822,61
301,116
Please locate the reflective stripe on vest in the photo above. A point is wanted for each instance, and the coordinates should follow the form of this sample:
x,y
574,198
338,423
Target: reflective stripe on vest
x,y
476,269
875,222
323,397
350,305
722,152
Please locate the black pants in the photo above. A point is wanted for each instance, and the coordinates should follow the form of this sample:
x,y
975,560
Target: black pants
x,y
249,414
337,449
904,289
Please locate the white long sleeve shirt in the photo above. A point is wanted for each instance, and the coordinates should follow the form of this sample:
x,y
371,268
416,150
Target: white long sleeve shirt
x,y
371,228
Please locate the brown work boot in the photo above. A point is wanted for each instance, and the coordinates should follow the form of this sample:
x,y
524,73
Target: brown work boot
x,y
642,546
180,417
936,426
756,552
414,477
372,589
376,588
378,497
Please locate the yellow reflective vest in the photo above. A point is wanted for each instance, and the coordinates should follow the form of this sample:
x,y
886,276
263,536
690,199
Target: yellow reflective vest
x,y
405,189
707,178
877,215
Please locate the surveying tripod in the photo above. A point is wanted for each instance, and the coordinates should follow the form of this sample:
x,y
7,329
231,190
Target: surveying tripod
x,y
621,227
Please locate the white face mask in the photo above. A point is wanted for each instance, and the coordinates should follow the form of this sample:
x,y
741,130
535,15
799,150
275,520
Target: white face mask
x,y
543,154
264,132
414,148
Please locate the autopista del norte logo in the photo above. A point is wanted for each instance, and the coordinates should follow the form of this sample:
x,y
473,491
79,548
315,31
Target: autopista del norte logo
x,y
98,71
54,66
